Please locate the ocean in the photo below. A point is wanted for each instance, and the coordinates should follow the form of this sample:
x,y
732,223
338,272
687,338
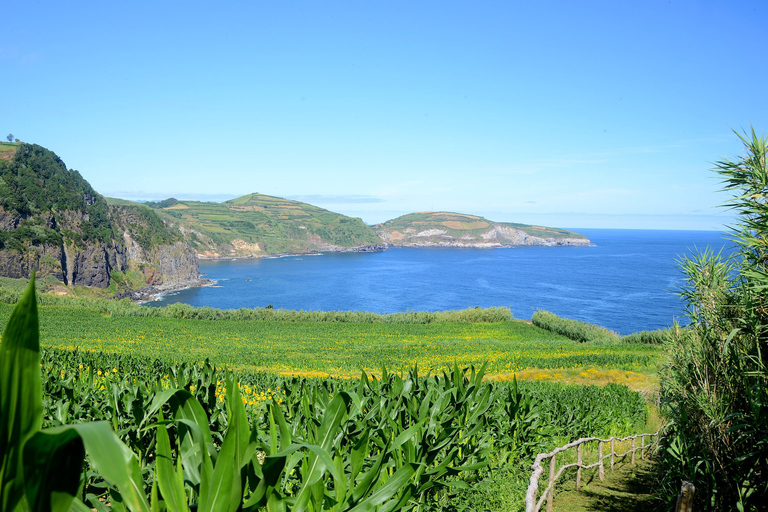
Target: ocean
x,y
625,282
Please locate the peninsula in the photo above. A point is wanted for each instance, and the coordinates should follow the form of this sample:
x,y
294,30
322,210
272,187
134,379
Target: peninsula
x,y
446,229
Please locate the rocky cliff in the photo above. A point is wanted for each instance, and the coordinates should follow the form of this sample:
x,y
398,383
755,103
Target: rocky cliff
x,y
52,221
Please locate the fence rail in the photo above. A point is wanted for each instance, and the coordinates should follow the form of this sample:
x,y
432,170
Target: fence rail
x,y
534,505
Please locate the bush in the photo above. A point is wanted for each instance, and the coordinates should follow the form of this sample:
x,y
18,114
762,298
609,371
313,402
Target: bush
x,y
714,385
657,337
10,292
573,329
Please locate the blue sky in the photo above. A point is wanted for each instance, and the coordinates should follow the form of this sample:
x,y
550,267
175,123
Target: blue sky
x,y
570,114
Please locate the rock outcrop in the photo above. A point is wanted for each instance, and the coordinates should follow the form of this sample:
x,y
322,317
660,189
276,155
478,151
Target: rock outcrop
x,y
53,222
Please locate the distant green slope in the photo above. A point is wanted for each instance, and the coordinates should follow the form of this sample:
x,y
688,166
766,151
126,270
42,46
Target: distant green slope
x,y
457,229
256,225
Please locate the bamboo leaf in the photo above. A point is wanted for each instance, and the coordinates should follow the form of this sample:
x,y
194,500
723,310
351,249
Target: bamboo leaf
x,y
79,506
407,434
223,491
359,454
395,484
285,432
369,478
238,422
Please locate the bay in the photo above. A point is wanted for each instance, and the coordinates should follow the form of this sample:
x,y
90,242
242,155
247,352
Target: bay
x,y
625,282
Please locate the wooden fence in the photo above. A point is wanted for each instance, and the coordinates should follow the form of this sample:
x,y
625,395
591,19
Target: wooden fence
x,y
534,505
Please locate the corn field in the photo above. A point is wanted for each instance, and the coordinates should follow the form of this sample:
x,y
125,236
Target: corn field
x,y
169,436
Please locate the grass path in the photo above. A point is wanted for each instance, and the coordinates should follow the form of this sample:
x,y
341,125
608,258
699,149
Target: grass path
x,y
628,488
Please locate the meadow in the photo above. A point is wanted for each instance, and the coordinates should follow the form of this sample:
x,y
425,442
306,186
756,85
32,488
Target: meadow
x,y
343,349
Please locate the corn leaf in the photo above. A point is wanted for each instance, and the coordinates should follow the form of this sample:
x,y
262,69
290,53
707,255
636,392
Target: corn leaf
x,y
21,402
52,467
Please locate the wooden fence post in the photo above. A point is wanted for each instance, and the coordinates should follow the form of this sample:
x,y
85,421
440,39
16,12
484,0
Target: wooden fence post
x,y
600,461
551,495
633,450
578,469
685,498
642,447
613,452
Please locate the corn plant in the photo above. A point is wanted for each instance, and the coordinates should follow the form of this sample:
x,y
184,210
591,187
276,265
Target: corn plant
x,y
383,451
40,468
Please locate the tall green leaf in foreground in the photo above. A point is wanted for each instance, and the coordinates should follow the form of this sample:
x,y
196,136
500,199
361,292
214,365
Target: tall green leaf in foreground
x,y
40,469
21,395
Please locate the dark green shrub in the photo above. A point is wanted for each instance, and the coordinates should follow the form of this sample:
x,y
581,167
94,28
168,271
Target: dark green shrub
x,y
573,329
714,385
657,337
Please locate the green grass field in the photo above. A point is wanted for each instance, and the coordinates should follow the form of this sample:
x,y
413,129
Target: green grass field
x,y
344,349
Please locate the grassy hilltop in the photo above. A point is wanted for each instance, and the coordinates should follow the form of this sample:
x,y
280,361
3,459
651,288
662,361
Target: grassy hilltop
x,y
257,224
457,229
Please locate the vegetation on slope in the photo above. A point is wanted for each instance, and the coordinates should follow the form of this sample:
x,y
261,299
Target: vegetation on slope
x,y
52,221
35,185
256,224
458,227
8,149
577,330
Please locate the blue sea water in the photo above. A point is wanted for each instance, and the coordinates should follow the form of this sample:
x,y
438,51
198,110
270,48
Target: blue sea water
x,y
624,282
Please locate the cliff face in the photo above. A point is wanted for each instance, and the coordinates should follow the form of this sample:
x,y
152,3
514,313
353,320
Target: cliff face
x,y
53,222
47,260
91,263
159,251
164,266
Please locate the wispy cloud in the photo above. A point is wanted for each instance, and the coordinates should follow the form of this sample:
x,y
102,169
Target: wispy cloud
x,y
13,53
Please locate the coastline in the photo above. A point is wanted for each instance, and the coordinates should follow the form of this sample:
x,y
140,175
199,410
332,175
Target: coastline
x,y
587,284
155,293
318,252
550,242
152,293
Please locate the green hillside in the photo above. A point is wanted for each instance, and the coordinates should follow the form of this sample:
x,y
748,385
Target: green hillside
x,y
450,228
35,185
256,224
54,223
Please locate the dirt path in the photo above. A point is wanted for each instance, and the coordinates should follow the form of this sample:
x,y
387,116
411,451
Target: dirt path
x,y
627,488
